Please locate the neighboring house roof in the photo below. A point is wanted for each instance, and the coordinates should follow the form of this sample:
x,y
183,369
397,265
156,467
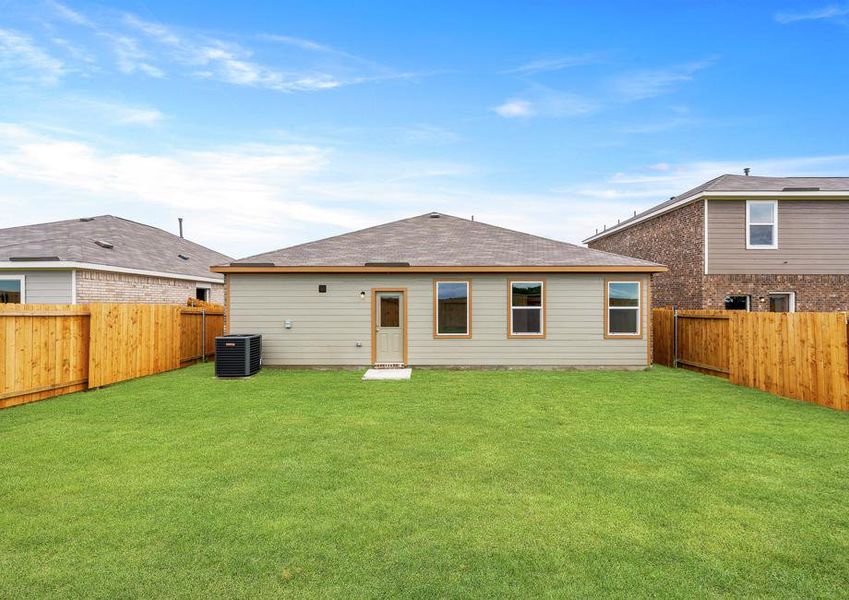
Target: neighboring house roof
x,y
725,185
437,240
108,241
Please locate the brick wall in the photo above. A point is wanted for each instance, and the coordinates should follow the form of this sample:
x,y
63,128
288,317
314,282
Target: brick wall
x,y
674,239
820,293
107,286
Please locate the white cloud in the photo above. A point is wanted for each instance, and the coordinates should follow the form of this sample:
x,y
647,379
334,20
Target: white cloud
x,y
68,14
557,63
233,63
121,114
825,13
130,56
541,101
649,83
22,60
512,109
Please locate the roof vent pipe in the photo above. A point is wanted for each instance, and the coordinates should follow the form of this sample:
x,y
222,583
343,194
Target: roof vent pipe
x,y
746,171
180,223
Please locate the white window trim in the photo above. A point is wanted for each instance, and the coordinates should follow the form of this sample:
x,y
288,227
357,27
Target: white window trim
x,y
638,308
468,306
792,298
540,308
749,244
23,280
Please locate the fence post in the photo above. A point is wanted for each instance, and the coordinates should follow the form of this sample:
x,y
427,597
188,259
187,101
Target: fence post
x,y
203,334
674,337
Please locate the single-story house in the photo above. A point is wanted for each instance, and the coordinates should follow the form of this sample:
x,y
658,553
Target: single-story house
x,y
437,290
104,259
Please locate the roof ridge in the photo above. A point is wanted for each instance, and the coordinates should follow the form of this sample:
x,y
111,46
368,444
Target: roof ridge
x,y
427,214
539,237
710,183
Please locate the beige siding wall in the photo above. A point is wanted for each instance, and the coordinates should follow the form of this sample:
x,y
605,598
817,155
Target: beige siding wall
x,y
813,238
327,327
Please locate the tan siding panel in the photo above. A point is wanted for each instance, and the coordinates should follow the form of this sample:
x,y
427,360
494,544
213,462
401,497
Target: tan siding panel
x,y
812,239
327,327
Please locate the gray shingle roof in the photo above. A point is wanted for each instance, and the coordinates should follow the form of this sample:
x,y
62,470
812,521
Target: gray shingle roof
x,y
435,239
134,246
744,183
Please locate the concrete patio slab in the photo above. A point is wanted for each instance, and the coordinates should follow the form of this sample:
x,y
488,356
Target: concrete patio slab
x,y
387,374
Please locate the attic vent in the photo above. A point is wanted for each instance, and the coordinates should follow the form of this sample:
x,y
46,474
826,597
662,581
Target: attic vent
x,y
183,256
32,258
386,264
801,189
103,244
87,219
434,215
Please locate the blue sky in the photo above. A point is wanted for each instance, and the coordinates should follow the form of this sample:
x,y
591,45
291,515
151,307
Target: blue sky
x,y
266,124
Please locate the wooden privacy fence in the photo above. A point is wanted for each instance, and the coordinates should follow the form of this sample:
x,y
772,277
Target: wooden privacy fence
x,y
48,350
798,355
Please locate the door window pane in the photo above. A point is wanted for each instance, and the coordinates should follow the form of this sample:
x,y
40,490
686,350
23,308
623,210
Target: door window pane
x,y
452,306
10,291
390,311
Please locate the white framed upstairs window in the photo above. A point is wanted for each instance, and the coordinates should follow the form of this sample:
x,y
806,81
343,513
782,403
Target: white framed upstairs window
x,y
761,224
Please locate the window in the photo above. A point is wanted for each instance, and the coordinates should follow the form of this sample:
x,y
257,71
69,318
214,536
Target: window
x,y
782,302
202,293
452,309
761,224
622,309
390,311
527,309
737,302
12,289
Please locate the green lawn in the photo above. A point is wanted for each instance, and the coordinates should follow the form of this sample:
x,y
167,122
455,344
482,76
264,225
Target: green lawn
x,y
459,484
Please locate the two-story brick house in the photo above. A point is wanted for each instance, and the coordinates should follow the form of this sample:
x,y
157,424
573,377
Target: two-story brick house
x,y
745,242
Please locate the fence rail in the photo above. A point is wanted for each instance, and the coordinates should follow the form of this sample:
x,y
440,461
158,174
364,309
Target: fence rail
x,y
49,350
798,355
